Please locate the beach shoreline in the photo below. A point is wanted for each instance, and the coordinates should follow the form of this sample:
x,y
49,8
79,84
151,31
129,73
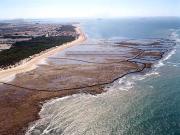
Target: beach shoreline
x,y
22,99
31,63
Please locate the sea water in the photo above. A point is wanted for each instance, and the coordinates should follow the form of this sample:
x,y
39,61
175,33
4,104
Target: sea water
x,y
140,104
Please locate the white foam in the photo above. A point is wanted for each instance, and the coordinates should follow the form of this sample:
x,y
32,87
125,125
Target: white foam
x,y
175,36
159,64
167,57
154,73
128,82
123,84
170,54
174,64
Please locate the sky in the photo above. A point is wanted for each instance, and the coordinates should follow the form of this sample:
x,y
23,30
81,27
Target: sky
x,y
13,9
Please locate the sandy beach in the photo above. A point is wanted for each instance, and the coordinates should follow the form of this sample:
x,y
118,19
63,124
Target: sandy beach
x,y
9,74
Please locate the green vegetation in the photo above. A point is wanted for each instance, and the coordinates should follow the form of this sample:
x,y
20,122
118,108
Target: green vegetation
x,y
15,37
67,28
24,49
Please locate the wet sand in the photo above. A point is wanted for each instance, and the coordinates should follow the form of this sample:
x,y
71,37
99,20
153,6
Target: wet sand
x,y
86,68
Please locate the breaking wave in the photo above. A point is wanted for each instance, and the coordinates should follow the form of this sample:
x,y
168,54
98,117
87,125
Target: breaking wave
x,y
175,36
161,62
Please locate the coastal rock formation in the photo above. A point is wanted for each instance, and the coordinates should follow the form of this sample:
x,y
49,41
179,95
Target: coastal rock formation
x,y
86,68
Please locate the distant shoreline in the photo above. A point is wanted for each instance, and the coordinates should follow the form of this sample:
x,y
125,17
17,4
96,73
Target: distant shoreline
x,y
32,62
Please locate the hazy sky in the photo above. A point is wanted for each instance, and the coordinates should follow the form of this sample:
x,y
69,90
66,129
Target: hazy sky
x,y
87,8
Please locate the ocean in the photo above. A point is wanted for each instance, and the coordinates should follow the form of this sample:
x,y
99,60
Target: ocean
x,y
137,104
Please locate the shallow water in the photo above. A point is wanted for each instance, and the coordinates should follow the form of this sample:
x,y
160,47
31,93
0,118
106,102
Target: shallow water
x,y
136,104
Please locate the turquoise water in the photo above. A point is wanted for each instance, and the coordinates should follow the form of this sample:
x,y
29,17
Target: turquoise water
x,y
141,104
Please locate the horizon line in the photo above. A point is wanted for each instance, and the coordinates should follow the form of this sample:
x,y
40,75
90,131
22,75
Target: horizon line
x,y
45,18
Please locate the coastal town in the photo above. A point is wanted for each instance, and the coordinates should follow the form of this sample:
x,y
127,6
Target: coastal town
x,y
20,41
11,33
